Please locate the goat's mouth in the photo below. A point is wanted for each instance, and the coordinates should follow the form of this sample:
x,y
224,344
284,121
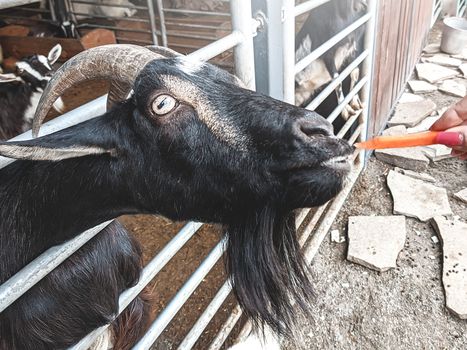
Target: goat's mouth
x,y
343,163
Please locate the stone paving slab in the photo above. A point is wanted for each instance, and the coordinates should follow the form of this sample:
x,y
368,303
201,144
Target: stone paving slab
x,y
412,113
462,195
409,97
433,73
412,158
416,198
444,60
453,235
432,49
395,130
424,125
453,88
437,152
420,86
420,176
376,241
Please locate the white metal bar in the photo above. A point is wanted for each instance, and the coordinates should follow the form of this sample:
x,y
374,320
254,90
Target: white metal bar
x,y
308,6
37,269
367,70
243,52
148,274
348,124
212,50
161,322
195,12
226,328
202,322
4,4
331,87
152,22
160,10
288,42
346,100
303,63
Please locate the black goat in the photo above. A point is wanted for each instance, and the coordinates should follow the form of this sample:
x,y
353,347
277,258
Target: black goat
x,y
189,144
20,92
322,23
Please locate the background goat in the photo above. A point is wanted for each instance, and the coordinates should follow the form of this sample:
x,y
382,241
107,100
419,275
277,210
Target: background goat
x,y
190,144
20,92
322,23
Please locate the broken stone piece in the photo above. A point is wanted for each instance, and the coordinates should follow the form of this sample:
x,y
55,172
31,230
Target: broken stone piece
x,y
412,158
420,176
433,73
336,237
435,239
424,125
416,198
444,60
419,86
412,113
408,97
453,88
462,195
376,241
453,235
437,152
431,49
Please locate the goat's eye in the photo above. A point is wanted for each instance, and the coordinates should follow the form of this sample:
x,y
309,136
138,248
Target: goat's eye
x,y
163,104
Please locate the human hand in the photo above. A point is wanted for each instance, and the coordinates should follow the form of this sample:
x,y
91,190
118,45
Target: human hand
x,y
455,119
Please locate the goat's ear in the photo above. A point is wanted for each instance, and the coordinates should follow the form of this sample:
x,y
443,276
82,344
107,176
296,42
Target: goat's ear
x,y
44,149
54,54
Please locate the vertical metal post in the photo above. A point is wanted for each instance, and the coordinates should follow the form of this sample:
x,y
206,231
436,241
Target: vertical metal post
x,y
160,9
268,48
288,40
53,16
368,71
152,20
243,53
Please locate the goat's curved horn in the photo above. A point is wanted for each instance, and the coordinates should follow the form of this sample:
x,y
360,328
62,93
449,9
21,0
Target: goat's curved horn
x,y
120,64
164,51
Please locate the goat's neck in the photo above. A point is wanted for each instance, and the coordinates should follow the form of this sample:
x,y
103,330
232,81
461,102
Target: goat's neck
x,y
43,204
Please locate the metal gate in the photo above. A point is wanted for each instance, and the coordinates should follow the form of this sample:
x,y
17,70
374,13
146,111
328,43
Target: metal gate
x,y
264,53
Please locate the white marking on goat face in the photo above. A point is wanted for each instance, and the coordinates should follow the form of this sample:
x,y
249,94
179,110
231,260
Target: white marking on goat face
x,y
343,52
220,127
188,65
44,61
27,68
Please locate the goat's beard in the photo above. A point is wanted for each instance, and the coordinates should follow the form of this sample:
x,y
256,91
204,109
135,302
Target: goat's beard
x,y
268,272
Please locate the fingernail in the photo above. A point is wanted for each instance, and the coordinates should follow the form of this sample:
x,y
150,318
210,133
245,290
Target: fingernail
x,y
450,138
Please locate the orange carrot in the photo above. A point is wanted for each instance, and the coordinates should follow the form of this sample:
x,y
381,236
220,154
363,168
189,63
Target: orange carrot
x,y
411,140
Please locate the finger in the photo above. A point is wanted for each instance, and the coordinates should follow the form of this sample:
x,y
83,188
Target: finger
x,y
449,119
462,130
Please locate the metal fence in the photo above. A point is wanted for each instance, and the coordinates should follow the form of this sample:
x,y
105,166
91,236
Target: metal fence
x,y
272,68
461,8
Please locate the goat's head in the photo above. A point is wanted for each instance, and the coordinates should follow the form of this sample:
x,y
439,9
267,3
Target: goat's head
x,y
211,150
36,70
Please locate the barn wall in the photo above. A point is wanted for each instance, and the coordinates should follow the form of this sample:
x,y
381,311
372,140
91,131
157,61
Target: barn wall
x,y
401,32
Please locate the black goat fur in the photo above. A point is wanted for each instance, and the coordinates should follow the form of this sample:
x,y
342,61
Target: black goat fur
x,y
247,163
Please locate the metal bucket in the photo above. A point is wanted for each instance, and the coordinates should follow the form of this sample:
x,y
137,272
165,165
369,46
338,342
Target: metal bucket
x,y
454,38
